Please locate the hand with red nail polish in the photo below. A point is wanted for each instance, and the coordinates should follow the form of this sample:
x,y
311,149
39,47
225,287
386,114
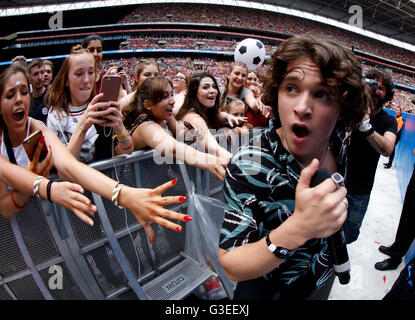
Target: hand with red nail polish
x,y
148,206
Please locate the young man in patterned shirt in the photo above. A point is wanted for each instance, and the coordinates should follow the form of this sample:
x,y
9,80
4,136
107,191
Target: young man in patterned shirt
x,y
317,93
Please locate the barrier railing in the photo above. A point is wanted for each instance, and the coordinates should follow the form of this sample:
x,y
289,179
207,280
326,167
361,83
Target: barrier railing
x,y
48,253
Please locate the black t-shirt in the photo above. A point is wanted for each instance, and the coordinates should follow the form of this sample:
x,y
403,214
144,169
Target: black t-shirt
x,y
103,144
38,109
363,158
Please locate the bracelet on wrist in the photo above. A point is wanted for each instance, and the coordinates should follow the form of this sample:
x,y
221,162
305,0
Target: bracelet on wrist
x,y
36,185
365,126
122,134
369,132
129,146
82,129
14,202
48,187
115,194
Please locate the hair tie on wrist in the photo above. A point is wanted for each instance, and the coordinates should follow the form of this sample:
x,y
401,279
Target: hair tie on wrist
x,y
14,203
48,187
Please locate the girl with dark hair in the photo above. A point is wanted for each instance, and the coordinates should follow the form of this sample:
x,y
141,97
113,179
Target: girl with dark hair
x,y
93,43
146,121
15,126
201,111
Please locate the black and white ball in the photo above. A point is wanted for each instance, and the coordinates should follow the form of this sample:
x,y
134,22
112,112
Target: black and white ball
x,y
251,52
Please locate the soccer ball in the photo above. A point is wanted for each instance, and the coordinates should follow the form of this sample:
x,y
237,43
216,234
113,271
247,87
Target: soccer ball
x,y
251,52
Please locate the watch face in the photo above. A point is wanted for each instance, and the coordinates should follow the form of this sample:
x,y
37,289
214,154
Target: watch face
x,y
284,251
338,179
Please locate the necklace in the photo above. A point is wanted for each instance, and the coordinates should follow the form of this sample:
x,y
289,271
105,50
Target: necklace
x,y
302,167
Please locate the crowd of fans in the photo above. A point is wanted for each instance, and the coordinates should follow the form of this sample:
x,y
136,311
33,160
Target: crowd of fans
x,y
169,66
263,20
186,43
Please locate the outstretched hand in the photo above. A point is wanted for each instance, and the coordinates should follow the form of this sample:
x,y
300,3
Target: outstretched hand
x,y
147,205
70,196
235,121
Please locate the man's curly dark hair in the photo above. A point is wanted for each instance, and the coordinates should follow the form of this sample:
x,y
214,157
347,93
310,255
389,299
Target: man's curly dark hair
x,y
340,71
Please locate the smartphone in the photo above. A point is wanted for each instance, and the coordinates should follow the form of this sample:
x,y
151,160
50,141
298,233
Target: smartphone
x,y
30,144
110,86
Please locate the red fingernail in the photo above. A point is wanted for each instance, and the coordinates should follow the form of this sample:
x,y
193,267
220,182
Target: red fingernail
x,y
174,181
42,140
182,199
179,228
187,218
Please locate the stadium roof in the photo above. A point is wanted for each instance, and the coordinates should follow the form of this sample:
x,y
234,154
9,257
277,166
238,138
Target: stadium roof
x,y
391,18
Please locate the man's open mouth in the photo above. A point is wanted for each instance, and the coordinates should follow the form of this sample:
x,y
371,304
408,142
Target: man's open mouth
x,y
300,131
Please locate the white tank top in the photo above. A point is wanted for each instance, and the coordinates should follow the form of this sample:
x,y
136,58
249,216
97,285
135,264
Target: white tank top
x,y
19,153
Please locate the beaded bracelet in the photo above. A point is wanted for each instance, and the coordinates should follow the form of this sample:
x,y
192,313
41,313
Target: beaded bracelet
x,y
36,185
14,203
115,193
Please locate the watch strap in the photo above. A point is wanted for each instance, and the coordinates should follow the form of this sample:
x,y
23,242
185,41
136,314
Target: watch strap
x,y
279,252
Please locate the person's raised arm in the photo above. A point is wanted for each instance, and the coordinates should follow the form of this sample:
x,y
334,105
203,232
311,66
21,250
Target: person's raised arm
x,y
147,205
383,144
154,136
206,140
22,181
251,101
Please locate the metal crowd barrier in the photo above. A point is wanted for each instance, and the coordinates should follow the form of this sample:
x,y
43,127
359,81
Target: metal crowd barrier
x,y
46,252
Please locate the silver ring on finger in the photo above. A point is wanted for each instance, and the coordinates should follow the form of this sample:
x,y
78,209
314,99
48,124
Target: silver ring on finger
x,y
346,202
338,179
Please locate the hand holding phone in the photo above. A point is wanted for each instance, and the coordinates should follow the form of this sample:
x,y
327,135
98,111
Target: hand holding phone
x,y
30,144
110,86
